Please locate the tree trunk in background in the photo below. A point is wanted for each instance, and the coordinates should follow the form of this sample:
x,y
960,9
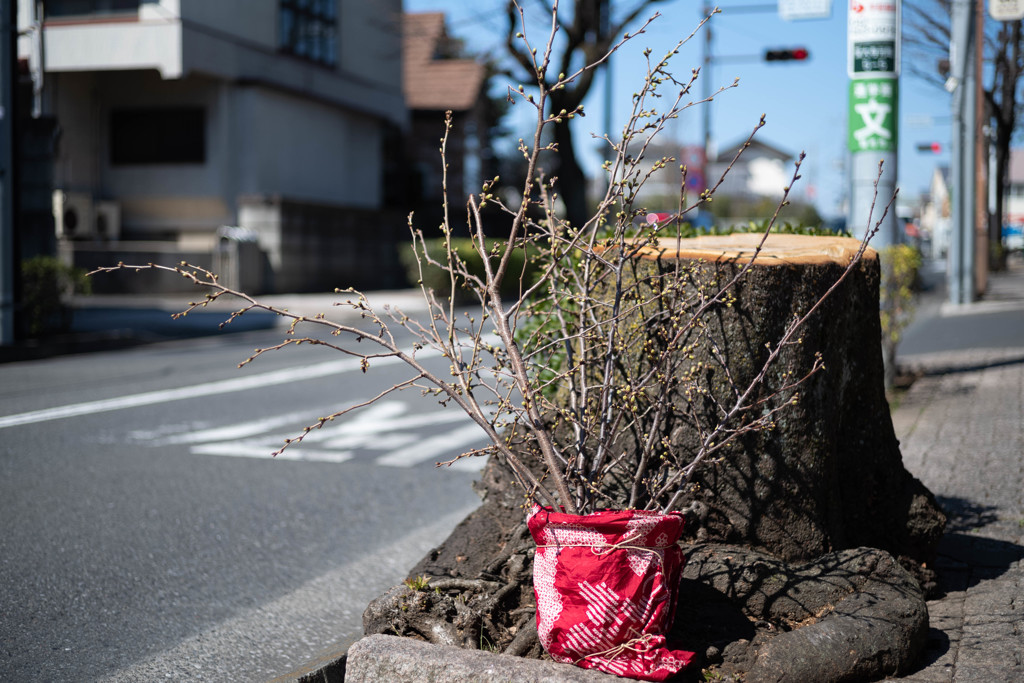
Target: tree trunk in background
x,y
572,181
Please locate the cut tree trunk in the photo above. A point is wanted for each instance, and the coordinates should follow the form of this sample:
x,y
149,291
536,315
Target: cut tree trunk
x,y
828,477
829,474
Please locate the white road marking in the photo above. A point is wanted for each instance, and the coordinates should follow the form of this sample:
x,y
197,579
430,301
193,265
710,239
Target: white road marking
x,y
385,427
472,465
260,449
378,419
236,431
433,447
266,379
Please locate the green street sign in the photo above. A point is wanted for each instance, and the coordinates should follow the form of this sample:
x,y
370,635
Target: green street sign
x,y
872,115
874,57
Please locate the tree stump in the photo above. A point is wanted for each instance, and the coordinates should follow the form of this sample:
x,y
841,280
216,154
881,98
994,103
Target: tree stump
x,y
817,493
829,475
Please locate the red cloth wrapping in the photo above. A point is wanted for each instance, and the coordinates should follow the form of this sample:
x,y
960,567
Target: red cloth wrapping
x,y
606,589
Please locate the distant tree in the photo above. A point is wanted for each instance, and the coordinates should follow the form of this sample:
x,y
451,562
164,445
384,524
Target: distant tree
x,y
926,39
590,28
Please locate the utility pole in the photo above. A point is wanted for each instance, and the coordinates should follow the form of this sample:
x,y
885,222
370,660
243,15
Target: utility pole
x,y
962,83
605,23
980,150
705,77
8,73
873,62
798,54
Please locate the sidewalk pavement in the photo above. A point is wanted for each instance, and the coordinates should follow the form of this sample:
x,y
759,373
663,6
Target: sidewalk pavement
x,y
961,428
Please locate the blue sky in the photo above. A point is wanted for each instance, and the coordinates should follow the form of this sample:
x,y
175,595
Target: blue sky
x,y
805,103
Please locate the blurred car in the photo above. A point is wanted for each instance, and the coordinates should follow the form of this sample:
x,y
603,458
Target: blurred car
x,y
1013,237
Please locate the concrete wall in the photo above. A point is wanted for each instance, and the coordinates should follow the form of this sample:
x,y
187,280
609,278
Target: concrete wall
x,y
313,247
237,40
259,141
243,21
370,41
152,42
158,200
304,150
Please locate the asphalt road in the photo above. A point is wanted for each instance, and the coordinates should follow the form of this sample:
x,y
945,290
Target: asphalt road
x,y
938,326
148,535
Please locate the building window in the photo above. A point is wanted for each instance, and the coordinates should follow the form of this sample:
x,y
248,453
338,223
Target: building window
x,y
73,8
158,136
308,29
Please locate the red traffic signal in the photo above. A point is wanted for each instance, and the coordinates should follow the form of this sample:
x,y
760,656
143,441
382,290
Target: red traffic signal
x,y
933,147
798,54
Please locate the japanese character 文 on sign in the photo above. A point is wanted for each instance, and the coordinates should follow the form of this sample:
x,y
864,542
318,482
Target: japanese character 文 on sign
x,y
873,115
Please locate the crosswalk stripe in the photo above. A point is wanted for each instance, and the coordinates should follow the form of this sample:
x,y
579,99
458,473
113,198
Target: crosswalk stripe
x,y
243,449
236,431
433,447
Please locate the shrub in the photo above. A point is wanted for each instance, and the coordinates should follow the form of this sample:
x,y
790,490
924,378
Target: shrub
x,y
46,284
901,266
434,276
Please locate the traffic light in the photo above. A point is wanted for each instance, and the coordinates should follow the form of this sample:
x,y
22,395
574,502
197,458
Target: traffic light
x,y
932,147
791,54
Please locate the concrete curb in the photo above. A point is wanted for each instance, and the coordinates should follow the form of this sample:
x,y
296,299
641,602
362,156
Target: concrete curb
x,y
329,667
390,658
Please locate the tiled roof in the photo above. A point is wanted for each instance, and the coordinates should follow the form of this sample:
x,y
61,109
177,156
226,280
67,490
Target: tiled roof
x,y
430,83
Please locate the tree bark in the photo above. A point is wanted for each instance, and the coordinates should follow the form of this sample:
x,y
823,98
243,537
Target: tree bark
x,y
829,474
572,182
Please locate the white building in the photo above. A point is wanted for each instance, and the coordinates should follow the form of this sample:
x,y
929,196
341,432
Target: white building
x,y
760,171
178,117
935,219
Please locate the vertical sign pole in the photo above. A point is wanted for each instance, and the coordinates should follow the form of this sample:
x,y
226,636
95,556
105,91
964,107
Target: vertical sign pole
x,y
873,62
8,70
705,77
960,276
980,146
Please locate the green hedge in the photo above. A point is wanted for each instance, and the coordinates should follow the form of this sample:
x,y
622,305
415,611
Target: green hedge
x,y
437,279
46,285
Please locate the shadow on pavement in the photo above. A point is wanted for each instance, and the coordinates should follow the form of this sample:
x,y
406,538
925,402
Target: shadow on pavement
x,y
110,329
160,324
965,557
954,368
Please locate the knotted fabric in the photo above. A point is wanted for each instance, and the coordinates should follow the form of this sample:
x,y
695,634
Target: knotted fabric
x,y
606,587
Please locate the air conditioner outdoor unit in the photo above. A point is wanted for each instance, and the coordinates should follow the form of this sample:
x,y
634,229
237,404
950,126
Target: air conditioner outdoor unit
x,y
73,214
107,223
